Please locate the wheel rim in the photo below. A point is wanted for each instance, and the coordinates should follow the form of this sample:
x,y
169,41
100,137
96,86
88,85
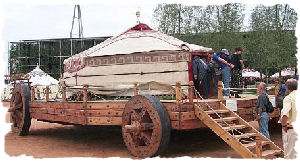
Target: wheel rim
x,y
19,108
141,127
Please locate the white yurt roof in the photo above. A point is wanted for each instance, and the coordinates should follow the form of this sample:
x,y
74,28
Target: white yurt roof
x,y
290,71
40,78
140,38
248,72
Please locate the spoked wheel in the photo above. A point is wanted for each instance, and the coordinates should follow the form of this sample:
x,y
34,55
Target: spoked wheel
x,y
19,108
145,126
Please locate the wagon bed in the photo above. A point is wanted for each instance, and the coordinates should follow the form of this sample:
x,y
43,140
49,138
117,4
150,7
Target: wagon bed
x,y
147,121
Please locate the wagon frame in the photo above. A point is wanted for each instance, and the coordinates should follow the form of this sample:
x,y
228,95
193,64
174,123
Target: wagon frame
x,y
146,121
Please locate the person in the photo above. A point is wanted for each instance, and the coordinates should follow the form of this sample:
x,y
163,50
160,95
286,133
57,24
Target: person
x,y
222,60
217,75
280,96
236,72
288,117
202,71
262,115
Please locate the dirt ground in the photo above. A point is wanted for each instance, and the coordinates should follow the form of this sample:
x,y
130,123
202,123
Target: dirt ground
x,y
50,140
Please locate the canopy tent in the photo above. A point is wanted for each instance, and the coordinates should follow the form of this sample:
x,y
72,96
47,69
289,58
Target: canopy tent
x,y
285,73
249,74
40,78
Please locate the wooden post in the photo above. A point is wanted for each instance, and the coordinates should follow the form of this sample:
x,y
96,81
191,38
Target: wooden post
x,y
178,92
258,147
32,94
220,90
191,92
64,95
276,88
135,90
257,86
47,93
84,98
38,93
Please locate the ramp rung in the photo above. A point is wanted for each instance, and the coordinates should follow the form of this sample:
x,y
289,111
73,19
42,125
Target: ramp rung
x,y
226,119
253,144
216,111
246,135
237,127
270,153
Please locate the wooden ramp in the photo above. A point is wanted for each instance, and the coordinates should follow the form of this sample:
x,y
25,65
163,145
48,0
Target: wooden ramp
x,y
237,133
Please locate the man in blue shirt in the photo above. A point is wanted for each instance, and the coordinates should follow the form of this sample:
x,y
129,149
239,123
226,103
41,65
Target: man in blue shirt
x,y
222,60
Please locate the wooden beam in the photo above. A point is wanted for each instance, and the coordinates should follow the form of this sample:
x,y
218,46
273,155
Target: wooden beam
x,y
32,94
220,90
84,98
191,91
47,93
258,147
178,92
135,90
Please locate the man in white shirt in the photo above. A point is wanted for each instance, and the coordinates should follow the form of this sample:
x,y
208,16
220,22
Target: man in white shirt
x,y
288,117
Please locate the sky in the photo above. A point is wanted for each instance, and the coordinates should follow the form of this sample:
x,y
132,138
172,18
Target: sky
x,y
52,19
44,19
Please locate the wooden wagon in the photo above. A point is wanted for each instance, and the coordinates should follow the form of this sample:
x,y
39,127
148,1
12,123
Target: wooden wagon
x,y
154,95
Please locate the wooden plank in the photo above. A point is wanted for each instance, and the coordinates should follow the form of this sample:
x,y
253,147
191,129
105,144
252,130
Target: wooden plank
x,y
182,116
72,105
209,112
227,119
106,105
245,135
244,111
188,124
237,127
104,112
252,145
270,153
185,107
248,118
208,105
245,103
104,120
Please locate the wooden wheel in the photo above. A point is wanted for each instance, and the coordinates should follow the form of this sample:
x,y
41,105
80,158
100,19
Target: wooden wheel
x,y
19,108
145,126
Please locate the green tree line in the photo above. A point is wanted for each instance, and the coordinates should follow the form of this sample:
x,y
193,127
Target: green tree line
x,y
268,39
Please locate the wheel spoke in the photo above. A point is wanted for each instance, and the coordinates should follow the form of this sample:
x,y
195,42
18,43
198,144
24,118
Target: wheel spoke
x,y
135,116
146,137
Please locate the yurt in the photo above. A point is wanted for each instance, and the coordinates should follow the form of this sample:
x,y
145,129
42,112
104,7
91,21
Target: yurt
x,y
139,55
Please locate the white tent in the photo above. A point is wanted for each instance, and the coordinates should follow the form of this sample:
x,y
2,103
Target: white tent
x,y
251,73
138,39
290,71
40,78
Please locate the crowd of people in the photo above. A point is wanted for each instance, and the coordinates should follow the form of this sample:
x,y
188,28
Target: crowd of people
x,y
219,66
228,68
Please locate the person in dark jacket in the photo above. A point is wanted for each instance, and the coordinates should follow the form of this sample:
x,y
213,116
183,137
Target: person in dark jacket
x,y
236,72
202,71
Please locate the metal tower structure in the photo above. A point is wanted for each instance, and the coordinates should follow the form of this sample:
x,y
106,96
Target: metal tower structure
x,y
76,17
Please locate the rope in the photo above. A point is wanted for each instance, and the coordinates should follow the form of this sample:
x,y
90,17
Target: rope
x,y
231,128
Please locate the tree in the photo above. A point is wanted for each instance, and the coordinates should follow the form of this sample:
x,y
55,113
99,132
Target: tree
x,y
270,25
